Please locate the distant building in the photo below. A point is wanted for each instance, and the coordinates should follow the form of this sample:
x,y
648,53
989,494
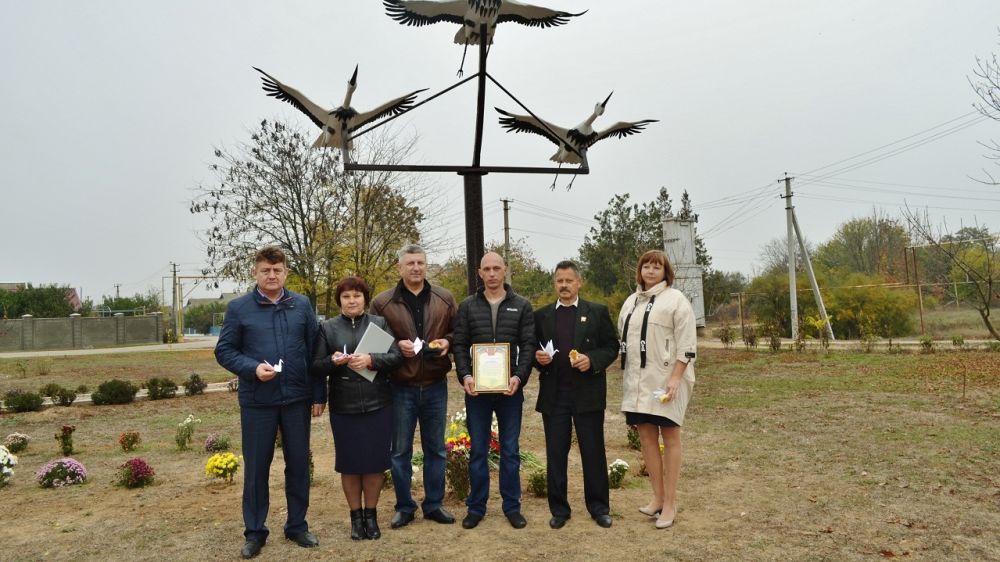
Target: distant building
x,y
223,299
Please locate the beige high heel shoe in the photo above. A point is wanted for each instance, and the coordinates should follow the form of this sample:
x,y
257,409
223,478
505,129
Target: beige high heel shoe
x,y
648,512
665,523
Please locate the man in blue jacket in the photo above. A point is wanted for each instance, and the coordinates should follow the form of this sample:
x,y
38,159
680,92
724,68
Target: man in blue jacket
x,y
266,340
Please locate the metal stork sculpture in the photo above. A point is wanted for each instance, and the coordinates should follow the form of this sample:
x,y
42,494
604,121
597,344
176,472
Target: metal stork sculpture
x,y
471,15
337,125
478,19
573,143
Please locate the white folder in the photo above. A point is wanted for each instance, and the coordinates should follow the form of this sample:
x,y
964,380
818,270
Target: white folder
x,y
374,340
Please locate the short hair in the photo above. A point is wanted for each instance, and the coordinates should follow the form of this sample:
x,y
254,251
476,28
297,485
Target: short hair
x,y
409,249
654,256
353,283
569,264
270,254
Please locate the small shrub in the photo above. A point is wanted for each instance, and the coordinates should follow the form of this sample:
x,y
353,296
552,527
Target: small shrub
x,y
50,390
926,344
114,391
22,367
633,438
61,472
958,342
129,440
993,346
750,337
726,335
194,385
16,442
160,389
222,466
82,389
616,473
134,473
537,483
185,432
43,367
8,461
65,397
65,439
169,336
216,443
17,400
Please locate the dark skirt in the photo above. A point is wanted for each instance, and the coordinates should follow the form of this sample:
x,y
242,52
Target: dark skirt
x,y
361,441
635,418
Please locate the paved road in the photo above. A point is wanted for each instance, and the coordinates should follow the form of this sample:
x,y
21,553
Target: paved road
x,y
190,342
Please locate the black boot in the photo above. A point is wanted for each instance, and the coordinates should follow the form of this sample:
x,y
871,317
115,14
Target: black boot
x,y
357,525
371,524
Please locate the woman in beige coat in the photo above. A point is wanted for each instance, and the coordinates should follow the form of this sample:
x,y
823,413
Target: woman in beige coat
x,y
659,341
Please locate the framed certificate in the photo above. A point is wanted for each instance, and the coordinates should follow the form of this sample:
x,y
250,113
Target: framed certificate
x,y
490,367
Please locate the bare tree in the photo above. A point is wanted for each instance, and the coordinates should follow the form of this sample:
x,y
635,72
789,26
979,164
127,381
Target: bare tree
x,y
986,84
978,259
276,190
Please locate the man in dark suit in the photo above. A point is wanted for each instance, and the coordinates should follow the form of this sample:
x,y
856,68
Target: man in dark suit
x,y
573,391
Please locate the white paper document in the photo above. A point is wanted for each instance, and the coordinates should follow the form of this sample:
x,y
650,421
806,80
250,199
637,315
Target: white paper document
x,y
418,344
548,348
374,340
277,368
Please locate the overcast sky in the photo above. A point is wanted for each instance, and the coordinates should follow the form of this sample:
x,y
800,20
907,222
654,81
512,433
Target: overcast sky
x,y
111,110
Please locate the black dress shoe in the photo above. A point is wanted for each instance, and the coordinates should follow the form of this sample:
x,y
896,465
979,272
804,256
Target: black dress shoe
x,y
401,519
471,520
517,520
251,548
603,520
440,515
558,522
304,539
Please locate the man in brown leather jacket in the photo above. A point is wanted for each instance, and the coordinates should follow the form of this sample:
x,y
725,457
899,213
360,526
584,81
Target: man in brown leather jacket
x,y
416,310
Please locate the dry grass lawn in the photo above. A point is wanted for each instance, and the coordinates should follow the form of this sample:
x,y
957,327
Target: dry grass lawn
x,y
787,457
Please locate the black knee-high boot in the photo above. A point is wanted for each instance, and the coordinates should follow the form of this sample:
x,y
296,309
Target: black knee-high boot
x,y
371,524
357,525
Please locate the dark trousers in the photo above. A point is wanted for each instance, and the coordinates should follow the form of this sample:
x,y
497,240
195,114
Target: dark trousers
x,y
558,426
259,427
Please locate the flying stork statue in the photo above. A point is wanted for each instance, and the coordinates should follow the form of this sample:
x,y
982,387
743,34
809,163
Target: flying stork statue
x,y
573,143
470,14
337,124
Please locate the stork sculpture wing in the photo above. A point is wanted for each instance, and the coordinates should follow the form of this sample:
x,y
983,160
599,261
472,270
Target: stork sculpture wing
x,y
623,129
534,16
280,91
528,124
392,107
425,12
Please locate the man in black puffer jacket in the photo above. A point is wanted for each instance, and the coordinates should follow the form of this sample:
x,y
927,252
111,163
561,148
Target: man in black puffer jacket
x,y
495,314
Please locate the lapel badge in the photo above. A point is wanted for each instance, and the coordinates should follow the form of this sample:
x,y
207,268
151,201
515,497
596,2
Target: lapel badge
x,y
583,319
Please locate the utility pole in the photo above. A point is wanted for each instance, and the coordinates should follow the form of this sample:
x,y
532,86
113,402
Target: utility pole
x,y
178,323
117,287
920,294
506,236
792,297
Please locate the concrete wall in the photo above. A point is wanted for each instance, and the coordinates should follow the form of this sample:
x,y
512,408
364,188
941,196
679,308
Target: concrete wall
x,y
76,332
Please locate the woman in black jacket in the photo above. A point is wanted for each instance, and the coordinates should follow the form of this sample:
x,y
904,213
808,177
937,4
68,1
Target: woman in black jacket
x,y
360,409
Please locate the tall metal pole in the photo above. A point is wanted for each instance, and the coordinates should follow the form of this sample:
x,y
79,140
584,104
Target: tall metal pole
x,y
792,297
506,236
475,245
920,294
